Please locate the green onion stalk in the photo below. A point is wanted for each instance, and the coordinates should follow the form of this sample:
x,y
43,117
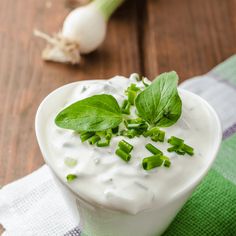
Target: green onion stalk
x,y
83,31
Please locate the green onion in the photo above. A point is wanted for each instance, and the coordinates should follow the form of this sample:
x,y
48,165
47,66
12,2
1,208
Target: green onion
x,y
131,96
131,133
158,135
153,149
125,146
175,141
70,177
151,132
161,136
108,134
125,108
115,130
85,136
94,139
179,146
133,126
188,149
103,143
70,162
123,155
134,88
172,149
152,162
167,163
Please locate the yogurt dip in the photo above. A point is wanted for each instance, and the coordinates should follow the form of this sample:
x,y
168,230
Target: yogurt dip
x,y
106,181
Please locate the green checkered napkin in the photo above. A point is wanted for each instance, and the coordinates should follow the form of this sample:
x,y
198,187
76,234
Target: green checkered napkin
x,y
212,207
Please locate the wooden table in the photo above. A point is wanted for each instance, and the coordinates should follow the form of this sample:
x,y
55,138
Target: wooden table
x,y
148,37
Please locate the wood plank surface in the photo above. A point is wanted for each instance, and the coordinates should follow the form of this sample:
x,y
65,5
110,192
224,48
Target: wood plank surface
x,y
148,37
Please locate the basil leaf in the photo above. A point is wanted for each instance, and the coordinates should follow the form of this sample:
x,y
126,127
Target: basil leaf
x,y
95,113
160,104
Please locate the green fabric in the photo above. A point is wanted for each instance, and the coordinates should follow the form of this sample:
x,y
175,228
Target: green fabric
x,y
211,211
225,162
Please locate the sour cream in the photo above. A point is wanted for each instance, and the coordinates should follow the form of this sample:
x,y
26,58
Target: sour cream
x,y
105,179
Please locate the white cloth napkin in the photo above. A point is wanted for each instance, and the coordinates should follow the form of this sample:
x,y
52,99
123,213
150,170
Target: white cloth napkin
x,y
33,206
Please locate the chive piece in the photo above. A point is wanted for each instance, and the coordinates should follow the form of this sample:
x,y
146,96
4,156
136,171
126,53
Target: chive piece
x,y
151,132
108,134
153,149
167,163
134,88
123,155
152,162
125,146
131,133
133,126
180,152
131,96
155,138
179,146
103,143
161,136
70,177
125,108
115,130
166,160
94,139
175,141
172,149
188,149
70,162
85,136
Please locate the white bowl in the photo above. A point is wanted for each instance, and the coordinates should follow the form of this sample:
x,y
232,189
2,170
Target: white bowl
x,y
99,221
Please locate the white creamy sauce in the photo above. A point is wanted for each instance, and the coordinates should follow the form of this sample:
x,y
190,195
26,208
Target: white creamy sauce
x,y
107,180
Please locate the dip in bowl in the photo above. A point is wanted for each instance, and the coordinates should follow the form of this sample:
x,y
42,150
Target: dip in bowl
x,y
134,194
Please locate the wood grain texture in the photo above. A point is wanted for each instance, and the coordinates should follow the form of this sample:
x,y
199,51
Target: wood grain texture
x,y
148,37
188,36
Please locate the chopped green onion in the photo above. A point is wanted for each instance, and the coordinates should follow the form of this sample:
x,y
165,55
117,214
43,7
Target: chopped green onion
x,y
70,177
123,155
103,143
94,139
161,136
133,87
85,136
115,130
131,96
179,146
153,149
131,133
108,134
180,151
70,162
125,146
125,108
133,126
172,149
175,141
167,163
158,136
152,162
188,149
151,132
